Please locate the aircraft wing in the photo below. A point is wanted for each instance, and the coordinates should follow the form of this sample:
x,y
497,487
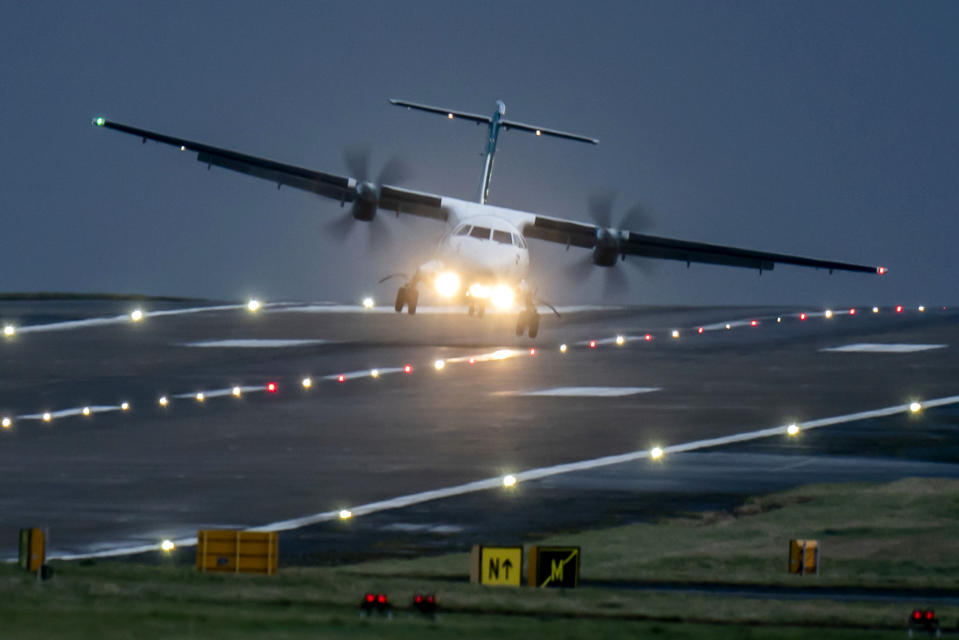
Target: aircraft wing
x,y
324,184
625,243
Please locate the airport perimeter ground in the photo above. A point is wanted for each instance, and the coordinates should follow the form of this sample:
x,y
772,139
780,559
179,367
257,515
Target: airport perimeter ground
x,y
379,446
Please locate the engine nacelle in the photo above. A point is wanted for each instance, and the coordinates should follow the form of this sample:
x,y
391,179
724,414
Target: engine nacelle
x,y
606,250
364,210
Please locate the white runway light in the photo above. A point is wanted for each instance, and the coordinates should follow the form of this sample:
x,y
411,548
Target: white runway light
x,y
374,373
875,309
675,333
509,481
136,315
345,514
253,305
200,397
439,365
915,407
563,348
124,406
9,331
828,314
47,416
656,453
86,411
620,341
6,423
793,430
167,546
163,401
307,382
237,392
368,303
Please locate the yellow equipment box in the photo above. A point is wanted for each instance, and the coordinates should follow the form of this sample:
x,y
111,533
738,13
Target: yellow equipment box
x,y
236,551
32,549
804,556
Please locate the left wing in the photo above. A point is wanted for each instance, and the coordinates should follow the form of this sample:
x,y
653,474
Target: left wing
x,y
615,243
328,185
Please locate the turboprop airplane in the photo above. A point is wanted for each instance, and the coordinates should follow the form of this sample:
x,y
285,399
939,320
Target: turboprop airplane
x,y
483,258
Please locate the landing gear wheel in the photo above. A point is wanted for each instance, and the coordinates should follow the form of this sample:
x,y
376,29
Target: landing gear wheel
x,y
471,310
480,310
534,325
412,297
521,323
400,299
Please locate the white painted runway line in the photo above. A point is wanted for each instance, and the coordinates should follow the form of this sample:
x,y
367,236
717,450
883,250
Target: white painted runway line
x,y
123,319
582,392
253,343
525,476
869,347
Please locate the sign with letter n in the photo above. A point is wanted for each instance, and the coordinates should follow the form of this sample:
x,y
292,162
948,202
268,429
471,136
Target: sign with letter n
x,y
499,566
553,567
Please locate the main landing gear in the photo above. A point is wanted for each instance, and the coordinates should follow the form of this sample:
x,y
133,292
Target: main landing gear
x,y
479,308
528,319
407,295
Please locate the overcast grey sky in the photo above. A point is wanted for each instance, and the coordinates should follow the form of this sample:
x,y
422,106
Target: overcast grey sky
x,y
826,129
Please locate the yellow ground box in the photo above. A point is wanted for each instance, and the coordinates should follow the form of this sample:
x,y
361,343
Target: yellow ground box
x,y
804,556
236,551
497,566
32,549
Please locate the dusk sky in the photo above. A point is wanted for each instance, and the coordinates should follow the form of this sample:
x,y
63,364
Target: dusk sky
x,y
825,129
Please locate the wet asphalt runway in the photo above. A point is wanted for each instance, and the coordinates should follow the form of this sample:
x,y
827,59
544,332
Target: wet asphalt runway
x,y
117,479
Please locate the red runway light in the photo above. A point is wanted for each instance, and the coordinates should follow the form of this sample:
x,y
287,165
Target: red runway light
x,y
408,369
418,599
898,308
592,344
341,378
753,323
370,597
700,330
852,312
472,360
381,598
930,614
802,316
532,351
271,387
647,337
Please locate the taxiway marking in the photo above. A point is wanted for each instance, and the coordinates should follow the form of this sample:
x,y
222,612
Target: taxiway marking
x,y
525,476
582,392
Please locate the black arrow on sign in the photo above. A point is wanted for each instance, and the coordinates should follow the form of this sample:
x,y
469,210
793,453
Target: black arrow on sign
x,y
507,566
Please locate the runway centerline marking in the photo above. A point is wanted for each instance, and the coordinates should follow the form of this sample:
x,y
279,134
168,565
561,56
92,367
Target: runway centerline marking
x,y
253,343
582,392
870,347
487,484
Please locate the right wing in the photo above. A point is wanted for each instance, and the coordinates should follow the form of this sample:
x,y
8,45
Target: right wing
x,y
328,185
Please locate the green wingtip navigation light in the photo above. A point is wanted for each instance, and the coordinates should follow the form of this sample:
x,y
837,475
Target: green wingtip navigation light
x,y
100,121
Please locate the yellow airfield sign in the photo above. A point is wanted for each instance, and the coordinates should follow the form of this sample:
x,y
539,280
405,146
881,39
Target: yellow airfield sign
x,y
498,566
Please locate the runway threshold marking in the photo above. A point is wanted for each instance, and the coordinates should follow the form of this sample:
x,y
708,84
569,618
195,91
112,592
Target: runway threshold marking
x,y
487,484
253,343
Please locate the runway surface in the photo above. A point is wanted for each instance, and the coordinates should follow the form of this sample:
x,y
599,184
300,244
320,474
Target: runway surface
x,y
119,479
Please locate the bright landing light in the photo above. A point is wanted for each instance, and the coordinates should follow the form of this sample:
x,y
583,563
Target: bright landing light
x,y
656,453
447,284
915,407
368,303
502,297
793,430
478,290
509,481
253,305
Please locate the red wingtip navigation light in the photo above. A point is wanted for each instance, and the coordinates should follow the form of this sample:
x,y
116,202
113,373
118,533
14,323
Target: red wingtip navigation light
x,y
271,387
